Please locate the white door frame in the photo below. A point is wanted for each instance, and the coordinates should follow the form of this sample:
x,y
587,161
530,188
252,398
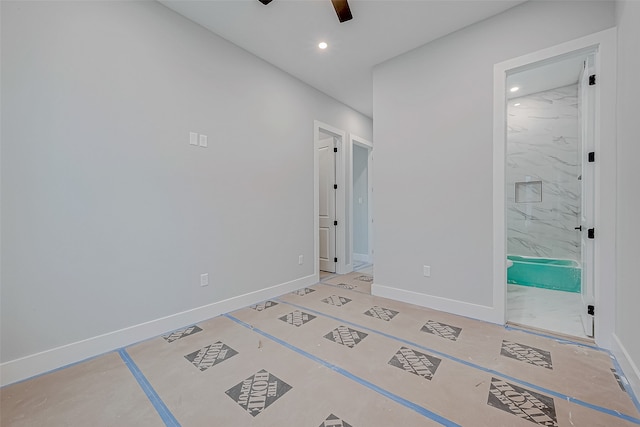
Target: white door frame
x,y
604,43
344,264
355,140
587,187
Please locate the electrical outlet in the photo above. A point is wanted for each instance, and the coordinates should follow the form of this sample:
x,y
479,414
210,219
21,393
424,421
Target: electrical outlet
x,y
426,270
300,260
204,279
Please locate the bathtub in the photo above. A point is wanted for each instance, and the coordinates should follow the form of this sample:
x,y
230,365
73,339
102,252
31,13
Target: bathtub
x,y
557,274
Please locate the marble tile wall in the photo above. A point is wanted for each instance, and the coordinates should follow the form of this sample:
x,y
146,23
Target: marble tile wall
x,y
543,145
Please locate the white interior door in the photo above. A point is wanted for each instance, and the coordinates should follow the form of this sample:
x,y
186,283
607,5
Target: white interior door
x,y
587,108
327,204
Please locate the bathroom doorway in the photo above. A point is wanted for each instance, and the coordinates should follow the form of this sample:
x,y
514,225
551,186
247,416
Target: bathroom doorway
x,y
602,272
550,122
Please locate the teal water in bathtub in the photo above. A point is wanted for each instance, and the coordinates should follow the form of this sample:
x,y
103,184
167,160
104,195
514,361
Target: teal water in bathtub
x,y
547,273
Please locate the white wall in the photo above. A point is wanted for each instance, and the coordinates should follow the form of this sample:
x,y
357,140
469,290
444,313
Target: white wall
x,y
360,201
109,216
628,233
433,110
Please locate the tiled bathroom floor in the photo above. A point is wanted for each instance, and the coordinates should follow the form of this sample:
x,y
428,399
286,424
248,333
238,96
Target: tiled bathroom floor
x,y
545,309
333,355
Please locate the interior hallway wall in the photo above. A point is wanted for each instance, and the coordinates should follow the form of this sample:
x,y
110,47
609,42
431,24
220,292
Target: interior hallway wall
x,y
433,128
628,233
109,216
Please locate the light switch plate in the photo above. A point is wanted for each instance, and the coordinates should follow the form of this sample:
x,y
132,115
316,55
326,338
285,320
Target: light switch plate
x,y
203,141
193,138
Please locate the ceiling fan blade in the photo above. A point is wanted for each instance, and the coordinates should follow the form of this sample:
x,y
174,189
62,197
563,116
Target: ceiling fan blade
x,y
342,10
265,2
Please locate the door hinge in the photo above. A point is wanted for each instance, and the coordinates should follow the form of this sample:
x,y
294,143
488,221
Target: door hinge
x,y
335,186
335,260
592,79
335,149
591,309
335,222
592,157
591,233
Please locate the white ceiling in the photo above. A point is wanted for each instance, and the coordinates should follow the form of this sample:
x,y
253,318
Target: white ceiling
x,y
286,34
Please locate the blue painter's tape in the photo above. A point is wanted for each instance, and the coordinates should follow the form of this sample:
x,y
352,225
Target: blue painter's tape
x,y
157,403
616,365
473,365
404,402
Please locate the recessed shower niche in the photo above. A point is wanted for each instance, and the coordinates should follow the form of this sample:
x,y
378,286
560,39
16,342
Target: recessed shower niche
x,y
528,192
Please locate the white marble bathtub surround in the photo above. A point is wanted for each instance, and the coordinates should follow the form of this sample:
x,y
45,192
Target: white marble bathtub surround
x,y
543,145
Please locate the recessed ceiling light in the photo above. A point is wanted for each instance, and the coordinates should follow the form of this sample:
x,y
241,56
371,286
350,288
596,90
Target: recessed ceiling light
x,y
322,45
514,89
516,104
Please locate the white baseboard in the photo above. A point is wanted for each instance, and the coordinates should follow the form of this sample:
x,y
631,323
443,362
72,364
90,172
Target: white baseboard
x,y
630,370
36,364
362,258
475,311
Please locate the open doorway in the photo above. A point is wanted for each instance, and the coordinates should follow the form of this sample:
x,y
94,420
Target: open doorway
x,y
549,194
331,223
338,193
597,298
361,203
